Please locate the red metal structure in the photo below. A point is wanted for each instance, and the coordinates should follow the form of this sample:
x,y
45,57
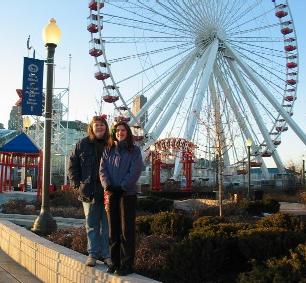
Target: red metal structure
x,y
20,152
156,163
162,149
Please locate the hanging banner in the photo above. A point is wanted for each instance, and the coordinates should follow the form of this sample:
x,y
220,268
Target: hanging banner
x,y
32,86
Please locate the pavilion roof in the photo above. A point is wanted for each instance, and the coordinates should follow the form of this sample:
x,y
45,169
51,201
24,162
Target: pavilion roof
x,y
21,143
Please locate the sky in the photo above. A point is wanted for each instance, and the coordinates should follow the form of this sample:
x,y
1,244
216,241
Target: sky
x,y
19,19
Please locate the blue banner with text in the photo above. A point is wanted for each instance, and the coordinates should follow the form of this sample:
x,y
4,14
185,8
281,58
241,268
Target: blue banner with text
x,y
32,86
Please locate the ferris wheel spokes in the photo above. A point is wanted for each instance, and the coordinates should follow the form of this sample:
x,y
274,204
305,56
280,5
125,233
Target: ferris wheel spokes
x,y
178,71
255,112
270,97
240,120
197,103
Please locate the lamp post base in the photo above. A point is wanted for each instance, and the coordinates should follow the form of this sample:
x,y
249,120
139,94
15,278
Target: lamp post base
x,y
44,224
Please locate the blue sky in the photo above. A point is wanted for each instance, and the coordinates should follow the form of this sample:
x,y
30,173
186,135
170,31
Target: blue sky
x,y
23,18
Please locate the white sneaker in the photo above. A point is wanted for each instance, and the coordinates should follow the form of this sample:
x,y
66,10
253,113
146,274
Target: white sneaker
x,y
107,261
91,261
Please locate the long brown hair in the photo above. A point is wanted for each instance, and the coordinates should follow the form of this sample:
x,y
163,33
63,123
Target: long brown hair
x,y
90,132
129,137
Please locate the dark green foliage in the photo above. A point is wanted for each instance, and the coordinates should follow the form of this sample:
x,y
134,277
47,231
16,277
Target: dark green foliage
x,y
154,204
271,206
72,238
290,269
65,198
258,207
18,206
171,223
205,221
151,254
143,224
225,230
200,260
283,220
69,212
264,243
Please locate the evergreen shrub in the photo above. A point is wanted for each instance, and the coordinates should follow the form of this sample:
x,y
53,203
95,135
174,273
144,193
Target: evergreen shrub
x,y
171,223
282,220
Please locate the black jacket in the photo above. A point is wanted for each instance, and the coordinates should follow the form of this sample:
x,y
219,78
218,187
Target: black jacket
x,y
83,170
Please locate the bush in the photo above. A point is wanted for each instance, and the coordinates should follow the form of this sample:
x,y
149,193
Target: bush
x,y
205,221
151,255
79,240
302,197
282,220
18,206
72,238
62,237
70,212
154,204
203,260
264,243
65,198
171,223
143,224
224,230
258,207
291,269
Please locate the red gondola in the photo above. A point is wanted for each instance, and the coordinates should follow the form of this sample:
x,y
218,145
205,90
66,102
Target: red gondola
x,y
286,30
266,154
110,98
291,82
291,65
101,76
93,5
95,52
281,128
92,28
289,48
290,98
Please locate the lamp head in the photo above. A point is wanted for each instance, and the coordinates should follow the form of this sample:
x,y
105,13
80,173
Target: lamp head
x,y
248,142
51,33
26,122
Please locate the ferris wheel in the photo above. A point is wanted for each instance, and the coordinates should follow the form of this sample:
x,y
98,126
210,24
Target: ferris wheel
x,y
216,73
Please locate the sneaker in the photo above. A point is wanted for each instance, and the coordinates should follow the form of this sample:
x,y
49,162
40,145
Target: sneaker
x,y
107,261
123,271
111,268
91,261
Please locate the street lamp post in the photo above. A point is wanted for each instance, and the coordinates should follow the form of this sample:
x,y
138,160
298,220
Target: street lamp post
x,y
44,223
249,144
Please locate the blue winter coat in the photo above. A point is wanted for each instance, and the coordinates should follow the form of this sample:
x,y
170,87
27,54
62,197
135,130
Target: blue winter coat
x,y
121,168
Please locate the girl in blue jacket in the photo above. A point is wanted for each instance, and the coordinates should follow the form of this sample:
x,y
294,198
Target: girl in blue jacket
x,y
120,169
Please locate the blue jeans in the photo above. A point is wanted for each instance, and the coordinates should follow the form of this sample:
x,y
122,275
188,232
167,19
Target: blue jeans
x,y
97,229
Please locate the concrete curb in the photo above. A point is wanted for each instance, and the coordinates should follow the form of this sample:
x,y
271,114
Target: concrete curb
x,y
53,263
28,220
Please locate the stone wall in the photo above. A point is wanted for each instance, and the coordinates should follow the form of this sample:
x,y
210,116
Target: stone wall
x,y
53,263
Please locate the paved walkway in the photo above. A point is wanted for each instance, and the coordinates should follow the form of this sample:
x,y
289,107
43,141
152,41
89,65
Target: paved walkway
x,y
11,272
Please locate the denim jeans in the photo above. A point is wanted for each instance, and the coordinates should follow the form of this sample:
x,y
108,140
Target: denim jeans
x,y
97,229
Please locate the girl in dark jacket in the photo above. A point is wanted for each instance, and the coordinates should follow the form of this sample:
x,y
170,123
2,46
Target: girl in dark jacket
x,y
120,169
84,176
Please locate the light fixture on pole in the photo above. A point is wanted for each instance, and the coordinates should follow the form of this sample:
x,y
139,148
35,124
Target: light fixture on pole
x,y
26,123
248,144
44,223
